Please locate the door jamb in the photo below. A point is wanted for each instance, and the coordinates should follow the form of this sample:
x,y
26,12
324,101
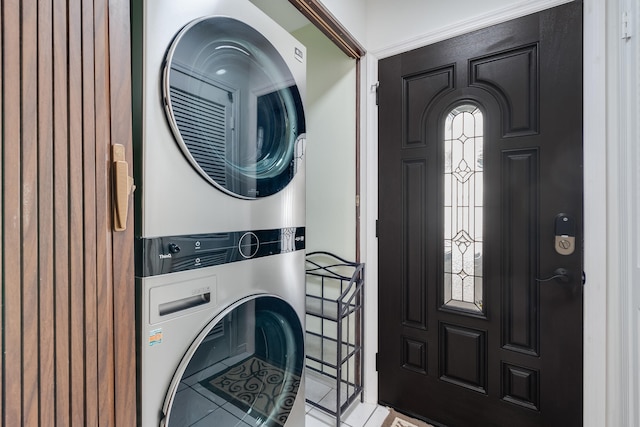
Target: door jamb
x,y
623,298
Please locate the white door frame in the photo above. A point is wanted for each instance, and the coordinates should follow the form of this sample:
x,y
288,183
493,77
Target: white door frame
x,y
595,183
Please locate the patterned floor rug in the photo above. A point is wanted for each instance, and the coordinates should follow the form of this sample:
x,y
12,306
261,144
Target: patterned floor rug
x,y
256,385
396,419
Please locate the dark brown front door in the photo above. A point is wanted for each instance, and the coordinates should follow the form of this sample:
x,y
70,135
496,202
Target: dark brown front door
x,y
480,163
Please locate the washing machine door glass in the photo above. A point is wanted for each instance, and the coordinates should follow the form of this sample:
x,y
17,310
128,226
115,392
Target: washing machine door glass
x,y
234,107
244,369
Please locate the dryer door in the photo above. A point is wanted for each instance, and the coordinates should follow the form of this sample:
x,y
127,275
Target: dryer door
x,y
234,106
244,369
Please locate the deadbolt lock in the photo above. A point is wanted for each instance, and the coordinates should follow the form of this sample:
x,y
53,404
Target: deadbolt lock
x,y
565,229
565,245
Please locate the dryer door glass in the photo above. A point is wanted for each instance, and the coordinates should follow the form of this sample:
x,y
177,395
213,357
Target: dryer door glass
x,y
244,369
234,107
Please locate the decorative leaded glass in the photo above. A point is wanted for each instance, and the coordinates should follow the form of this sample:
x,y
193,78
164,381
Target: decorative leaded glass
x,y
463,182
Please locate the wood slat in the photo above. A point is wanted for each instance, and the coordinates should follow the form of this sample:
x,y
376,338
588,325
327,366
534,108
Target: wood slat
x,y
11,215
91,385
29,211
123,268
104,278
46,311
76,231
61,214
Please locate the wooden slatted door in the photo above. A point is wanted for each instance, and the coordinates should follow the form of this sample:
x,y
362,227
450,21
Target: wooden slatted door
x,y
68,314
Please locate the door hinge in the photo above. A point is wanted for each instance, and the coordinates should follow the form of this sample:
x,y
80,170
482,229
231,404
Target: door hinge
x,y
584,278
377,354
374,88
376,228
625,26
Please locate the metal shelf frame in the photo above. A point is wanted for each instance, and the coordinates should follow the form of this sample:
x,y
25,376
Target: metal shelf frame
x,y
335,296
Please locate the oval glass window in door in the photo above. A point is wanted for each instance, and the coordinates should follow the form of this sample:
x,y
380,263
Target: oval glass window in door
x,y
233,106
244,369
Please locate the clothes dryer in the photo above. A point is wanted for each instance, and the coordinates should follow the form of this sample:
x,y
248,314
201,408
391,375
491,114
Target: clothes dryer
x,y
219,124
223,345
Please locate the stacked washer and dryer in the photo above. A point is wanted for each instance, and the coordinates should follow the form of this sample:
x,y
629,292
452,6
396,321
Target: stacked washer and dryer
x,y
220,215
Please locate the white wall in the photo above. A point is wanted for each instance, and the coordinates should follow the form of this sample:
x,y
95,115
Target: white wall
x,y
393,22
330,154
399,26
381,24
351,14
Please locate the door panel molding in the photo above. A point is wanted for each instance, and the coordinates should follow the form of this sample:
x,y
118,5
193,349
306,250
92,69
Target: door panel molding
x,y
414,356
414,299
521,385
435,83
458,344
520,296
518,118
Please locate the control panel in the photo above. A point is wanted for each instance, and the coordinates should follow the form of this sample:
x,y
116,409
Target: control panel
x,y
162,255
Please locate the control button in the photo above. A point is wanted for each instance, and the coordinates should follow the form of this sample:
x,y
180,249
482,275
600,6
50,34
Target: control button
x,y
173,248
248,245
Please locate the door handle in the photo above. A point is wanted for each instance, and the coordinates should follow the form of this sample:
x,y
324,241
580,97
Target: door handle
x,y
123,187
560,274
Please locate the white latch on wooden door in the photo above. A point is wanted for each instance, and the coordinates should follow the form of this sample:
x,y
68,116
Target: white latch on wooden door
x,y
123,187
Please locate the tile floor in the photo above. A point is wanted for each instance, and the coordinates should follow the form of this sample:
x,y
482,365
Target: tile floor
x,y
357,415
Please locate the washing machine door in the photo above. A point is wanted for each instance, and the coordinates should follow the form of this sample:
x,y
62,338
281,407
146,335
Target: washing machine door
x,y
234,107
244,368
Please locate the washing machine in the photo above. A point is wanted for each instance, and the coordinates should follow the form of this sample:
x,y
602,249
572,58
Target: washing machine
x,y
219,127
222,346
219,138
